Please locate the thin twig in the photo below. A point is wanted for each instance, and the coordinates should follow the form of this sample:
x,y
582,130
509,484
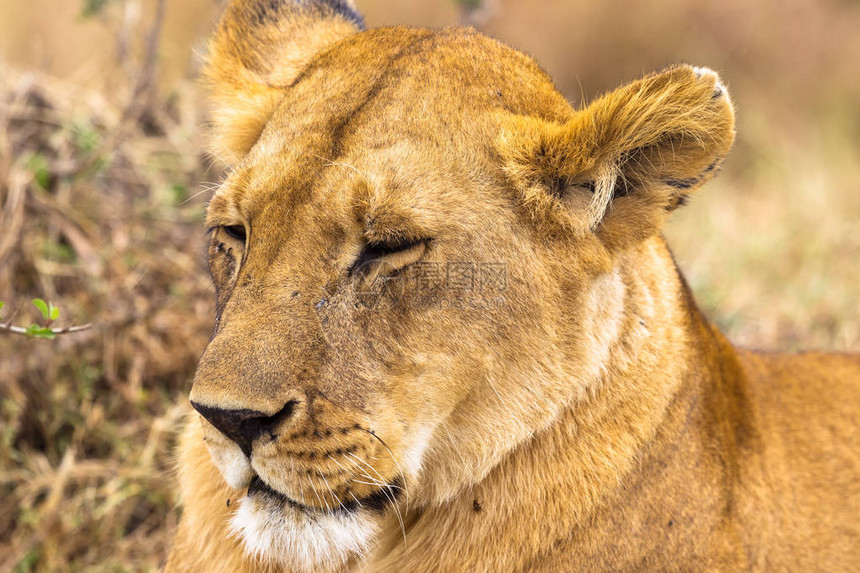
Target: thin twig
x,y
6,327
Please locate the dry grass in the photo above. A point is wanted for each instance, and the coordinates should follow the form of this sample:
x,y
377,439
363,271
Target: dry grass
x,y
98,213
774,255
98,216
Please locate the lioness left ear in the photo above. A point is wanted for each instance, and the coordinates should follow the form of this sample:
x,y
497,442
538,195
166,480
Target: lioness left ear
x,y
259,49
621,165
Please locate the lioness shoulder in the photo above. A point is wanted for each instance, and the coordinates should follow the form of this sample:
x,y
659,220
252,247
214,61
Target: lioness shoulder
x,y
449,335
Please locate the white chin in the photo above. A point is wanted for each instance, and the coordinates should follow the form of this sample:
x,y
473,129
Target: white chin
x,y
279,534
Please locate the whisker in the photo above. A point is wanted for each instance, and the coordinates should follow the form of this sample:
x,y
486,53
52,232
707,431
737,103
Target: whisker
x,y
331,491
350,474
399,469
310,481
381,482
356,499
341,466
204,189
389,494
376,483
364,473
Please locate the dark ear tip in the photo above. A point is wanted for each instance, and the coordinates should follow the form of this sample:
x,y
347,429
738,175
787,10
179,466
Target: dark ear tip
x,y
269,11
347,9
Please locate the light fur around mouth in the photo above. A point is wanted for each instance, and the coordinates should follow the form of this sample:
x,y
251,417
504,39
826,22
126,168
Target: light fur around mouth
x,y
280,531
286,535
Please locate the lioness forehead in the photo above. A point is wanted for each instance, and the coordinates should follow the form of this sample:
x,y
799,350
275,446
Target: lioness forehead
x,y
366,112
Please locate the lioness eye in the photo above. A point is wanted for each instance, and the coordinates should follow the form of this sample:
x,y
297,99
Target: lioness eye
x,y
235,231
396,254
384,249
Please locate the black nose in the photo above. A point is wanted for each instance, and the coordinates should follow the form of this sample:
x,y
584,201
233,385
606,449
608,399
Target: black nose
x,y
244,426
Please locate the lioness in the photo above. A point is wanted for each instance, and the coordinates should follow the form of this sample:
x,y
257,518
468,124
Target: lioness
x,y
449,335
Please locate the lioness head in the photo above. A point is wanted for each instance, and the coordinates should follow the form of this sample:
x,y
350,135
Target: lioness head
x,y
410,255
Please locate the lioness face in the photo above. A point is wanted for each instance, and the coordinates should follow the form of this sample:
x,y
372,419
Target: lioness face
x,y
372,276
412,260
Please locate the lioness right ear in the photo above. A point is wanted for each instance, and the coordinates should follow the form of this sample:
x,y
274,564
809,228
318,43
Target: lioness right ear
x,y
618,167
259,49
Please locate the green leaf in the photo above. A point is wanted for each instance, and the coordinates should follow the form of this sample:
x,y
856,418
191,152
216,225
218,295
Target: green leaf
x,y
54,311
1,304
58,251
180,193
43,307
36,331
29,562
84,135
40,168
92,7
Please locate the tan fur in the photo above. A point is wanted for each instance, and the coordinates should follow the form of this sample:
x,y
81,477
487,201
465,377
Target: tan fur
x,y
585,417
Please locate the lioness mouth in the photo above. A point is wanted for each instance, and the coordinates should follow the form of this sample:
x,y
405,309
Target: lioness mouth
x,y
377,501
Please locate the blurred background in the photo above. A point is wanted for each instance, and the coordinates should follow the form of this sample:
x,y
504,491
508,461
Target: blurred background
x,y
103,183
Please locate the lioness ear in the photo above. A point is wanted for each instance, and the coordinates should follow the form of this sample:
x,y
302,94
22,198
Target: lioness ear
x,y
621,165
259,49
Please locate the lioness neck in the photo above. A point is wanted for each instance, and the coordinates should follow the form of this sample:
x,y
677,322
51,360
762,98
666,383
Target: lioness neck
x,y
596,487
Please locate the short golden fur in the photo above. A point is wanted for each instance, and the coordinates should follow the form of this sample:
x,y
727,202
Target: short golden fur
x,y
585,417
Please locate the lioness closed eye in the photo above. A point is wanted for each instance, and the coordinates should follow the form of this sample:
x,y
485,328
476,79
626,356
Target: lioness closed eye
x,y
449,335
